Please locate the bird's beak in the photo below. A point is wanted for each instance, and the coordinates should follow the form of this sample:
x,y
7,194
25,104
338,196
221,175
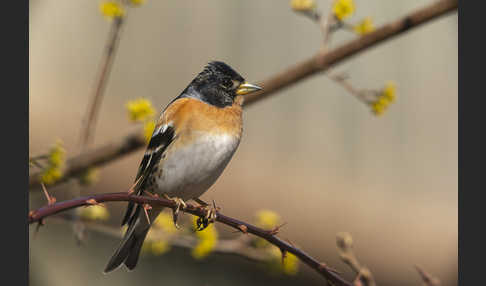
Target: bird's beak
x,y
246,88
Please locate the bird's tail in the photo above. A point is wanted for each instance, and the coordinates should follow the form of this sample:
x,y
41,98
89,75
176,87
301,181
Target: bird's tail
x,y
129,249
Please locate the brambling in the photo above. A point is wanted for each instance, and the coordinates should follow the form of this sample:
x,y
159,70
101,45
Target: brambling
x,y
193,141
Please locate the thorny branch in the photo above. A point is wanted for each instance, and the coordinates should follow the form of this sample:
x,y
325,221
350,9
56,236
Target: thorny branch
x,y
269,235
319,62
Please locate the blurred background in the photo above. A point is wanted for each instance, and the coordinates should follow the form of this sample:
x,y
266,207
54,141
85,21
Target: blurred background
x,y
312,153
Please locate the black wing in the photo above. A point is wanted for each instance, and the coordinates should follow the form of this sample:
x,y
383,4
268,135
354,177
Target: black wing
x,y
161,138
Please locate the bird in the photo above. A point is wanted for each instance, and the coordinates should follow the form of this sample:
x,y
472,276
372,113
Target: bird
x,y
193,140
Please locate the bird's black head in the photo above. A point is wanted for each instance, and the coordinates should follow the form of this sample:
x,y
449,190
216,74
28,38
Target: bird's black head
x,y
218,84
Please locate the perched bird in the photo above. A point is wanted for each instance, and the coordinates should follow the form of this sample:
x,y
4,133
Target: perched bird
x,y
193,141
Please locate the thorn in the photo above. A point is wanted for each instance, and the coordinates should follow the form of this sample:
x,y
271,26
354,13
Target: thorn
x,y
215,207
276,229
243,228
39,224
91,202
132,190
147,207
50,200
284,254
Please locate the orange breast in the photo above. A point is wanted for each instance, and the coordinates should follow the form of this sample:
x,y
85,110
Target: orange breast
x,y
191,116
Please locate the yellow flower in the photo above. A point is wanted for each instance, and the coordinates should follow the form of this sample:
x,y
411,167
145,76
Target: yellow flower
x,y
159,247
164,221
148,129
208,238
386,96
343,8
57,154
267,219
389,91
55,163
365,26
112,9
94,212
303,5
89,176
137,2
51,175
290,264
378,108
139,109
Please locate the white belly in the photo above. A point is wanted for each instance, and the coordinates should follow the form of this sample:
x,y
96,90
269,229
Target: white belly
x,y
190,171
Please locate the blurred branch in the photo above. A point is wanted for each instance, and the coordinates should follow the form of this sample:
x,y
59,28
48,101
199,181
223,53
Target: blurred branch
x,y
428,279
269,235
106,64
236,246
97,157
320,62
344,243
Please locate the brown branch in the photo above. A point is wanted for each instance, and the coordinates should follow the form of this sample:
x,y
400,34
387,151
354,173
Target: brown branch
x,y
345,246
97,157
49,210
318,63
234,246
428,279
324,60
106,64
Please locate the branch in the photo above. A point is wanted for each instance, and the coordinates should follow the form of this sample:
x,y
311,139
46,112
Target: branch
x,y
107,62
97,157
235,246
318,63
324,60
428,279
269,235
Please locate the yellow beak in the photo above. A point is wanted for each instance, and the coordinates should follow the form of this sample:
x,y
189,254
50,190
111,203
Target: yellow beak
x,y
246,88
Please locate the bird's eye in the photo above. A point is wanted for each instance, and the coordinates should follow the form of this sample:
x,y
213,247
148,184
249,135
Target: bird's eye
x,y
227,84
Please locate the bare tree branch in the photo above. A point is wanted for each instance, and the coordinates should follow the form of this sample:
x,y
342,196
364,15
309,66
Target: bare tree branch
x,y
428,279
95,103
234,246
318,63
269,235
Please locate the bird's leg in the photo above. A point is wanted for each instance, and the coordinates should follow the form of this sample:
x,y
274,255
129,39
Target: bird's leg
x,y
179,202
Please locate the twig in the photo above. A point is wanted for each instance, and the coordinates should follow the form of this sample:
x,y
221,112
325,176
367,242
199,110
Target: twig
x,y
49,210
364,276
106,64
296,73
50,200
428,279
341,80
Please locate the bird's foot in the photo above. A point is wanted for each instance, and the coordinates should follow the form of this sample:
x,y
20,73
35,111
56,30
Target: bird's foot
x,y
210,217
175,213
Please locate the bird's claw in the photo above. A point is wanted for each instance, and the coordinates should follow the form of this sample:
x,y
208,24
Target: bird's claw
x,y
175,213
